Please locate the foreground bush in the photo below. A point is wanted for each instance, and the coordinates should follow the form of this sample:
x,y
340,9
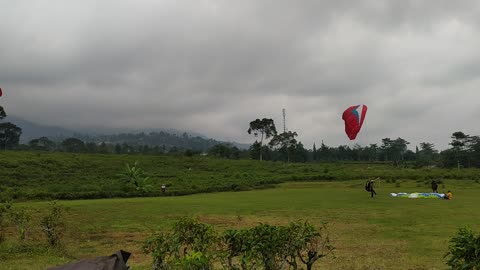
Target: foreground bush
x,y
53,224
187,246
193,245
4,211
464,251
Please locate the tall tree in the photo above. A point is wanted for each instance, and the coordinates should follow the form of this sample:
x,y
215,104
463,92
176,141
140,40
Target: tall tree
x,y
373,152
220,150
386,147
9,135
235,153
473,149
459,141
399,149
264,128
42,144
118,148
394,149
91,147
426,153
103,148
73,145
285,141
324,153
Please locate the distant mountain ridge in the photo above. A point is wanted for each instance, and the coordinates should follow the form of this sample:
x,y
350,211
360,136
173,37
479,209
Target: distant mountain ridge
x,y
32,130
167,138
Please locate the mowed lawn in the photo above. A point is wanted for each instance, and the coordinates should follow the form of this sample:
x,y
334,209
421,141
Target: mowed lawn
x,y
380,233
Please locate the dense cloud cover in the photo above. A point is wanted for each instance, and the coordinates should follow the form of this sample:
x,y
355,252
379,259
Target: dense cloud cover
x,y
212,66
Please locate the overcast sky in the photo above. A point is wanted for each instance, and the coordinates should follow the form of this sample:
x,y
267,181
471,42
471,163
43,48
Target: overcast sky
x,y
212,66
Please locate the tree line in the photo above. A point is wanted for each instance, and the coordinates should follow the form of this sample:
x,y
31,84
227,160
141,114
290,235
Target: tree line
x,y
269,145
464,151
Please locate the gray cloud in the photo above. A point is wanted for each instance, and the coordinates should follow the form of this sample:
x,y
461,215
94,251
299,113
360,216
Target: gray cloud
x,y
213,66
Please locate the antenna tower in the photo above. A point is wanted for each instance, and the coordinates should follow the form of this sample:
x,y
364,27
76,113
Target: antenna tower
x,y
284,125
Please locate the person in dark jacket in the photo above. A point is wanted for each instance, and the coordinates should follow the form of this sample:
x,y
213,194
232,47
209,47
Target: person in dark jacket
x,y
434,186
370,187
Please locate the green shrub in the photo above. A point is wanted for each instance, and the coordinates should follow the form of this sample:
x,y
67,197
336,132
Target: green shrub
x,y
464,251
134,176
53,224
194,245
306,243
4,212
236,250
161,248
21,219
188,246
194,261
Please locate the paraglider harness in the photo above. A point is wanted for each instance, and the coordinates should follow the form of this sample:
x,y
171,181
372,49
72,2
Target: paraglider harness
x,y
368,186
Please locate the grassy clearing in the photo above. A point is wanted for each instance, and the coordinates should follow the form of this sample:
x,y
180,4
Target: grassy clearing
x,y
380,233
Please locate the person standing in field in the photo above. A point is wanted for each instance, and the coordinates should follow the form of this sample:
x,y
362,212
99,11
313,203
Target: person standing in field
x,y
163,188
369,186
434,186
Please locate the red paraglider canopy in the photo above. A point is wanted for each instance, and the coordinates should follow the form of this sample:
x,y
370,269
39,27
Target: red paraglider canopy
x,y
354,117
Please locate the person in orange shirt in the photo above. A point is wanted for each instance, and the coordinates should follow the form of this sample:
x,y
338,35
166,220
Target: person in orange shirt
x,y
448,196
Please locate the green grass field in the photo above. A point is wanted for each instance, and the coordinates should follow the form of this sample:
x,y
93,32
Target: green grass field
x,y
380,233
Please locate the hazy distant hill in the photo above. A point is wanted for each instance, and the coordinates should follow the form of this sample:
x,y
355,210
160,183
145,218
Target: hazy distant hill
x,y
160,138
152,137
31,130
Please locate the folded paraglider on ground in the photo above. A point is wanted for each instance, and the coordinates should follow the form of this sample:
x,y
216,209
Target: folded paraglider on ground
x,y
421,195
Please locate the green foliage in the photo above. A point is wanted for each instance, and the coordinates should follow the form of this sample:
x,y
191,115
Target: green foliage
x,y
161,247
264,128
237,250
4,212
21,219
158,142
9,135
464,251
189,153
194,245
194,261
225,151
286,143
73,145
306,243
394,150
188,246
53,224
192,235
135,176
42,144
267,243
